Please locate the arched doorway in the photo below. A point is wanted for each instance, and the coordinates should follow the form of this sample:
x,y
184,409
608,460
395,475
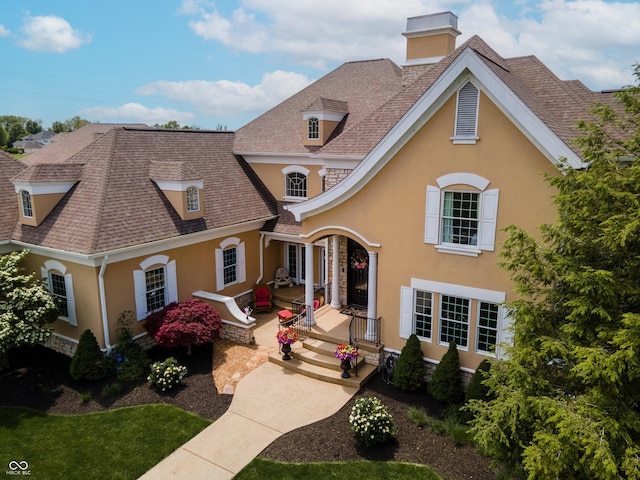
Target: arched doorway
x,y
357,274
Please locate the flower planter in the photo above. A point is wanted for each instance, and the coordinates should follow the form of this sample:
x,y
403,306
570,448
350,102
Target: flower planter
x,y
286,349
345,365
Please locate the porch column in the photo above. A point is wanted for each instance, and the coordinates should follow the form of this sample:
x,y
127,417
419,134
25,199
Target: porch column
x,y
308,285
335,272
372,299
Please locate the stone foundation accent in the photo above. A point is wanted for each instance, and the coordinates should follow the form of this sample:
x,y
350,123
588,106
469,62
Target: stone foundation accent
x,y
429,368
334,176
63,345
237,334
244,300
373,358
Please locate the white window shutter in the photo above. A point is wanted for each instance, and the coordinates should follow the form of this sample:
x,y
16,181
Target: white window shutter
x,y
505,335
467,111
172,282
433,215
406,312
241,270
488,221
219,270
71,301
140,287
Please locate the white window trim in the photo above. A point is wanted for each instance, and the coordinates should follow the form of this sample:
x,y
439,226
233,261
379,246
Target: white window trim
x,y
241,268
407,297
191,188
140,284
25,194
68,285
487,218
295,169
466,139
500,322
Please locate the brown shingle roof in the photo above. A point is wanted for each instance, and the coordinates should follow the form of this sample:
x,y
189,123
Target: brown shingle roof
x,y
363,85
68,172
327,104
65,145
116,204
9,168
174,171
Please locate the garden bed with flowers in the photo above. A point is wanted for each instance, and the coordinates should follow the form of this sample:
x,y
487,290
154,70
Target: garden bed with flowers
x,y
39,378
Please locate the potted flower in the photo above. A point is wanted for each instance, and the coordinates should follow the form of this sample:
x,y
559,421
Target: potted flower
x,y
345,352
285,338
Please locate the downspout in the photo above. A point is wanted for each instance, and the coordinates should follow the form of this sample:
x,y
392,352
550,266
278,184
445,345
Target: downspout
x,y
103,304
261,258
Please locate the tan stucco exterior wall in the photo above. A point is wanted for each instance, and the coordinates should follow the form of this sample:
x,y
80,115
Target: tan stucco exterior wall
x,y
390,210
41,204
430,46
274,179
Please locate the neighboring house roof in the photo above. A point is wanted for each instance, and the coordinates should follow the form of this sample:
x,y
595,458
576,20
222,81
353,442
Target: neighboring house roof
x,y
115,203
543,107
9,167
66,144
362,86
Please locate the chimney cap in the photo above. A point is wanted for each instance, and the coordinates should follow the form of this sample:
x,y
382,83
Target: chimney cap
x,y
432,24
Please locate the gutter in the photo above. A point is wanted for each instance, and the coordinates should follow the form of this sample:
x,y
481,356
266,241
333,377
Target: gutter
x,y
261,248
103,304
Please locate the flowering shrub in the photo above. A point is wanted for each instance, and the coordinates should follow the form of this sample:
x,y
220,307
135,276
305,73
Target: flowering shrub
x,y
288,335
166,375
346,352
192,322
371,422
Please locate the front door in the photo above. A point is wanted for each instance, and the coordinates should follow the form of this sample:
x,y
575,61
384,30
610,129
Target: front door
x,y
358,274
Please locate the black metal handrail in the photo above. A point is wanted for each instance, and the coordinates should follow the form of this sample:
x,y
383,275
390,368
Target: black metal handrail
x,y
359,330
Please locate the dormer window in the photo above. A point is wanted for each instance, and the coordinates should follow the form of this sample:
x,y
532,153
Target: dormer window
x,y
193,199
27,208
313,128
466,115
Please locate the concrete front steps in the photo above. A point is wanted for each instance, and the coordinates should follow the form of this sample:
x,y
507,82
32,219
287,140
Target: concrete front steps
x,y
314,357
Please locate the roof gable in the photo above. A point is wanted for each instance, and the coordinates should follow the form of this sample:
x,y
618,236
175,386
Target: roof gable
x,y
406,113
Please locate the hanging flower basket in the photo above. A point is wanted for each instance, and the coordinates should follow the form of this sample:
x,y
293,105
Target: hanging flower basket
x,y
359,262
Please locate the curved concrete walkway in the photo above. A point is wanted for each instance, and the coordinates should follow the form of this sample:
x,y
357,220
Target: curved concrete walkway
x,y
252,422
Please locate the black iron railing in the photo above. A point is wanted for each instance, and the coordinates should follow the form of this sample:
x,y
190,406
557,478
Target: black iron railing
x,y
365,329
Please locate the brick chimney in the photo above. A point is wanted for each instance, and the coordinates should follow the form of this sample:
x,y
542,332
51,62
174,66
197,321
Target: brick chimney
x,y
429,39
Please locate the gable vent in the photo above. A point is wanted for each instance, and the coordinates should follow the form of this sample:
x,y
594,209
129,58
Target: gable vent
x,y
467,111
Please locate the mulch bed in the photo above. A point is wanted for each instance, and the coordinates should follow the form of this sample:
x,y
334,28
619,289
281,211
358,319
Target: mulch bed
x,y
39,378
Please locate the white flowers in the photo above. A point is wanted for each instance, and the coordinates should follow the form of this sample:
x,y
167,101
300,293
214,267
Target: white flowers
x,y
371,422
166,375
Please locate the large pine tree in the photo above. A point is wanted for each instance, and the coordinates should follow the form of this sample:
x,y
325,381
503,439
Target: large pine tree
x,y
567,399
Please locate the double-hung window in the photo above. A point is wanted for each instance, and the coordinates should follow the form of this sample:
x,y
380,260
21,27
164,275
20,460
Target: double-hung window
x,y
230,263
156,288
155,284
487,332
454,320
423,314
59,282
461,214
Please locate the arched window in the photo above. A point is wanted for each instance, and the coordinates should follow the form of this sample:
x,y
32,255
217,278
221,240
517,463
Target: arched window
x,y
296,185
193,199
230,263
313,128
155,285
60,284
27,208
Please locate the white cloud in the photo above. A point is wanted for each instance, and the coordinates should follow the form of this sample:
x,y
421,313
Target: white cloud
x,y
4,32
593,40
226,98
136,113
51,34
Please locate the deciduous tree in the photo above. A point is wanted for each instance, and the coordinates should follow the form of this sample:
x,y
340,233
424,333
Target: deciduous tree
x,y
567,400
26,307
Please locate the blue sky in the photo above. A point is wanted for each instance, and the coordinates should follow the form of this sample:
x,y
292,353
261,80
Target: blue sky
x,y
204,63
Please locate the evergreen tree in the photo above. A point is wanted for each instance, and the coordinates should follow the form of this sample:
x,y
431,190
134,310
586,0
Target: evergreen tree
x,y
566,399
477,390
446,383
88,362
409,371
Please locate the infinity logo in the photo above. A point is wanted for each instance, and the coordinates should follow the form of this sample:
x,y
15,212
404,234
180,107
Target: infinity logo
x,y
13,465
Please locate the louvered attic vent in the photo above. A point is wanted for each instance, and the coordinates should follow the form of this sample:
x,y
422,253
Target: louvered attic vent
x,y
466,115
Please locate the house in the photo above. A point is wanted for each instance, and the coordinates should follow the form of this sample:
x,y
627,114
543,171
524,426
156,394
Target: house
x,y
134,221
35,141
387,187
418,191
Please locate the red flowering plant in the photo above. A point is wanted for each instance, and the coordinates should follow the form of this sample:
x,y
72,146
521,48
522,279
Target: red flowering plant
x,y
358,262
288,335
346,352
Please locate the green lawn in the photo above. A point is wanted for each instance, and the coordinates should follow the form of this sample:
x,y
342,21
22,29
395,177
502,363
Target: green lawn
x,y
260,469
116,444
